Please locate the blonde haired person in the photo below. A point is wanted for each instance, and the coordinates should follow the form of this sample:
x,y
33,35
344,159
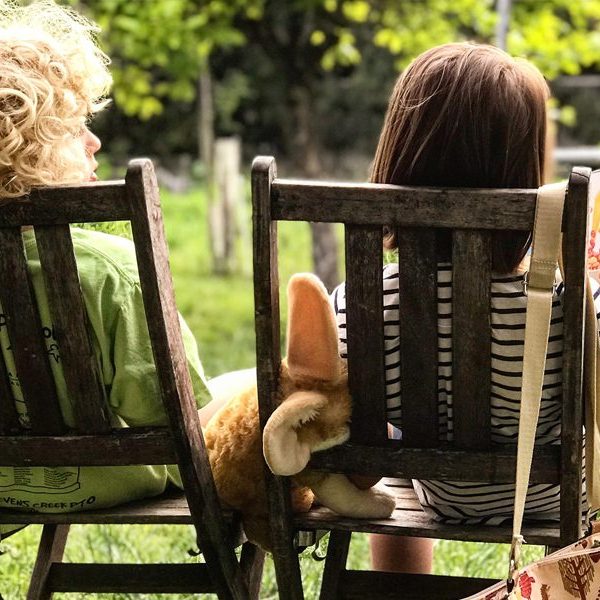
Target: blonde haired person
x,y
53,78
468,115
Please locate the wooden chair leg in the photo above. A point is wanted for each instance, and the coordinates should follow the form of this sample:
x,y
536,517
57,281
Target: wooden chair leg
x,y
252,562
287,567
50,550
335,563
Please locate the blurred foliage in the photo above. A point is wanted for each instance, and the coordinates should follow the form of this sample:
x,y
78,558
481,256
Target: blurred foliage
x,y
584,118
166,543
159,47
275,62
559,36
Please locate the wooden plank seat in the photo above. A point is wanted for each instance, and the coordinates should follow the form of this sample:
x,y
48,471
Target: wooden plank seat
x,y
170,508
410,519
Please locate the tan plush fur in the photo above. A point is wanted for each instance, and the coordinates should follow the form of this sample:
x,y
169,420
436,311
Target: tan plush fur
x,y
313,414
234,447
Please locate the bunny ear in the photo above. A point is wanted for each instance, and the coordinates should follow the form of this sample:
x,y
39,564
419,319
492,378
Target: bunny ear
x,y
312,342
283,451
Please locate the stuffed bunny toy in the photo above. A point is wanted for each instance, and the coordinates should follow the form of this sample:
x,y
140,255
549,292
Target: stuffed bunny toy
x,y
313,414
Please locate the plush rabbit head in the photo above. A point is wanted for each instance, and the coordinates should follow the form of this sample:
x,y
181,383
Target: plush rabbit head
x,y
315,403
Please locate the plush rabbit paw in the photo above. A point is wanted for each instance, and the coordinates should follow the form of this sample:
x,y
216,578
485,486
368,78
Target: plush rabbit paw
x,y
339,494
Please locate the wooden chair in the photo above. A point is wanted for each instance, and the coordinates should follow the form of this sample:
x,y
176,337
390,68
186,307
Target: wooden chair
x,y
470,214
50,443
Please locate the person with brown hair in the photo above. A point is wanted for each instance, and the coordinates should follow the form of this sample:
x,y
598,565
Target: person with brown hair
x,y
467,115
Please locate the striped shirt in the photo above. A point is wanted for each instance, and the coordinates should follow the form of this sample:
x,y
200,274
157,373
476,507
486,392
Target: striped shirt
x,y
468,501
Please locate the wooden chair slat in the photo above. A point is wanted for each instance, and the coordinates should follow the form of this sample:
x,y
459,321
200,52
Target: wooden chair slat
x,y
9,418
410,517
393,459
52,206
173,375
574,260
266,288
168,508
419,524
192,578
71,328
367,203
161,314
337,555
50,550
417,273
471,338
24,331
129,446
364,313
268,360
393,586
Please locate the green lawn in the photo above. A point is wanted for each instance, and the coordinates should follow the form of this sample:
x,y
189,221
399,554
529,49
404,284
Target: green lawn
x,y
220,313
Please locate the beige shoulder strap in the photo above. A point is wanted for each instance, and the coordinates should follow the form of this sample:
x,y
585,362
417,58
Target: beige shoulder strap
x,y
540,281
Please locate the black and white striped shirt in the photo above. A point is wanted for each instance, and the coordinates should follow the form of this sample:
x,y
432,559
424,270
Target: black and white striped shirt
x,y
463,501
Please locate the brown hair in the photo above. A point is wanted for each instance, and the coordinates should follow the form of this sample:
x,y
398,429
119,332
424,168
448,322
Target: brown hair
x,y
466,115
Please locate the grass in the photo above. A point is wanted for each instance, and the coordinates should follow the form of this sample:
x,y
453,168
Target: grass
x,y
219,310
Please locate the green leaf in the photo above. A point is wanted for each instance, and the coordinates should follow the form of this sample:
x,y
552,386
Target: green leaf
x,y
149,107
317,37
357,10
567,116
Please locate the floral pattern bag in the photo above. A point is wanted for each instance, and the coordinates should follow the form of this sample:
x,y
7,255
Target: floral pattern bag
x,y
572,572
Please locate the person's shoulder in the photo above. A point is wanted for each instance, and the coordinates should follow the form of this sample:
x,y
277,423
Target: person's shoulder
x,y
114,253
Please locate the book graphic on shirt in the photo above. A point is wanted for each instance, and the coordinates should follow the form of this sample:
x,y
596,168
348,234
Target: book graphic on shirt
x,y
40,480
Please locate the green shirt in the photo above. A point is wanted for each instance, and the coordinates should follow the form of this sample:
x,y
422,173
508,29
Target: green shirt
x,y
111,290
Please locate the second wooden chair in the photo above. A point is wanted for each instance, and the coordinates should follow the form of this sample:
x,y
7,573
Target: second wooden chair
x,y
468,217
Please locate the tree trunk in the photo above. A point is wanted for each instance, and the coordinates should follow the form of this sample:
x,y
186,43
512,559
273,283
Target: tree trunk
x,y
206,120
206,148
306,151
226,205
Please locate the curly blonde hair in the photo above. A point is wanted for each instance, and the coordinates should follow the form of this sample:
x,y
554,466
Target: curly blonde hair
x,y
53,76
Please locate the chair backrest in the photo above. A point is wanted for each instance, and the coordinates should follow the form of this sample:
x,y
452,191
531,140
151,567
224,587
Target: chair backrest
x,y
48,441
416,214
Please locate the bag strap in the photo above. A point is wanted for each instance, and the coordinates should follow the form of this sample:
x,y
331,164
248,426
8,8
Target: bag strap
x,y
539,283
592,400
591,383
592,410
